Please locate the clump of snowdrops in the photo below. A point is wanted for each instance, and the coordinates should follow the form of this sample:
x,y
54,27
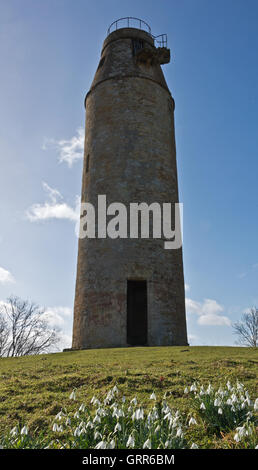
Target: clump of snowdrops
x,y
225,408
117,422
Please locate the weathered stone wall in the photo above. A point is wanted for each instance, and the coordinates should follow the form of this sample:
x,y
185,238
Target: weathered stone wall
x,y
130,142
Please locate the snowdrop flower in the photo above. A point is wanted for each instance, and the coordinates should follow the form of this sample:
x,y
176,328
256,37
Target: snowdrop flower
x,y
112,444
130,442
24,430
233,398
147,444
202,407
192,421
76,415
55,427
14,431
193,388
77,432
101,445
216,402
117,413
209,389
82,407
59,415
97,435
168,415
256,404
96,402
220,412
97,419
123,399
134,401
194,446
89,425
118,427
153,396
229,385
157,429
73,395
115,389
138,414
241,431
237,437
179,432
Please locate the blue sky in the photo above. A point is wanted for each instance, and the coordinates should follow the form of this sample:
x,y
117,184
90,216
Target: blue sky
x,y
49,51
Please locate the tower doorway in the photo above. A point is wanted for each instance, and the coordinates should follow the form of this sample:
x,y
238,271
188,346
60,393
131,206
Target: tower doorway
x,y
137,333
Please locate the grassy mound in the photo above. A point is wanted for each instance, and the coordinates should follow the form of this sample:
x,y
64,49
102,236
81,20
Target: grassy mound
x,y
33,389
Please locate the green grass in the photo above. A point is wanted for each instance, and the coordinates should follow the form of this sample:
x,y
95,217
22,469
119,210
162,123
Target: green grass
x,y
34,388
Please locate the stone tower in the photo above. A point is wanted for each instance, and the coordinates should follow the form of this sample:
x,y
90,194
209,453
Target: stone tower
x,y
129,291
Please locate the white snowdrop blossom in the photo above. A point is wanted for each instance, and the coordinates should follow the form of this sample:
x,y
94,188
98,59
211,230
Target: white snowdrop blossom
x,y
118,427
130,441
147,444
73,395
153,396
14,431
101,445
194,446
192,421
24,430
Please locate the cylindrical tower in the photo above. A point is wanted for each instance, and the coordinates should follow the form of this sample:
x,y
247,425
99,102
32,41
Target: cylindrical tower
x,y
129,291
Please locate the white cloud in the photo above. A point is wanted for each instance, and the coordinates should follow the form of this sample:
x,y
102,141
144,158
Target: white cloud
x,y
5,276
57,316
55,208
61,318
213,319
65,341
208,312
69,151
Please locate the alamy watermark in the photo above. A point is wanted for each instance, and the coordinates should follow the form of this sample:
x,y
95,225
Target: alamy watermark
x,y
164,217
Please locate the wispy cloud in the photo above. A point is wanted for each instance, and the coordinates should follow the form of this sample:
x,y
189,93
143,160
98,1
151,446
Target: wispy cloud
x,y
6,276
53,208
208,312
69,151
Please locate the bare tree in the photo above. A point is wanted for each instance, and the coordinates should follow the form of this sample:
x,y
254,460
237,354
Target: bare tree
x,y
3,334
24,329
247,328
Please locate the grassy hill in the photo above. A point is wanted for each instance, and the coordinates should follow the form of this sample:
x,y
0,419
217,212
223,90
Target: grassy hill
x,y
34,388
